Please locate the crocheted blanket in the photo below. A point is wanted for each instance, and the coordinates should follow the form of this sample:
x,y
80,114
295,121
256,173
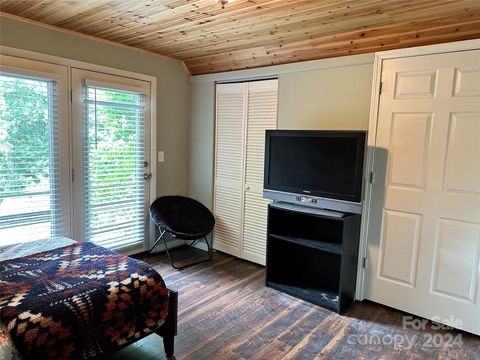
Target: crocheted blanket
x,y
79,301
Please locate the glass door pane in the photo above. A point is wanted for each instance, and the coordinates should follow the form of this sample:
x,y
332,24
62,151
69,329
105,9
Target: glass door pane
x,y
113,173
29,172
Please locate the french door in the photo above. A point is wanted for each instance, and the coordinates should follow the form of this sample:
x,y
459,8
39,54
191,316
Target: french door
x,y
34,151
111,159
83,173
424,230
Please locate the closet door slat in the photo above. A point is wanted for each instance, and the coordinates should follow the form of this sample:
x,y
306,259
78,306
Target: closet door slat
x,y
230,114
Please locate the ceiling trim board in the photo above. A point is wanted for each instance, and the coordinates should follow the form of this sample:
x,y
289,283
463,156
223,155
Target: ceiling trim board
x,y
276,70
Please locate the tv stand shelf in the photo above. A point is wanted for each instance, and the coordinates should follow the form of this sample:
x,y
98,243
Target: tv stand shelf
x,y
324,298
311,243
313,256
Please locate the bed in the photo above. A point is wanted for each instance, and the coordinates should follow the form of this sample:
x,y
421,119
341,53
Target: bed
x,y
60,299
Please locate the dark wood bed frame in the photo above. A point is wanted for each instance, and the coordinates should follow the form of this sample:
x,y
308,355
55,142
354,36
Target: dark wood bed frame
x,y
169,329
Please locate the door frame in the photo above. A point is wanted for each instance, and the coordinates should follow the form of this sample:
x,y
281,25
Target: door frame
x,y
372,136
69,64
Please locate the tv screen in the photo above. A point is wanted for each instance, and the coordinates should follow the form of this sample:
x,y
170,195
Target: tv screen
x,y
319,163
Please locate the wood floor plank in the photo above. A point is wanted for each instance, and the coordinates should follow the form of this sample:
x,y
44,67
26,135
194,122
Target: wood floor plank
x,y
266,334
235,327
259,338
217,318
233,293
227,313
298,331
309,346
273,351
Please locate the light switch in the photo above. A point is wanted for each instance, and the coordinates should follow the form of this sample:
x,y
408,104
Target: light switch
x,y
161,156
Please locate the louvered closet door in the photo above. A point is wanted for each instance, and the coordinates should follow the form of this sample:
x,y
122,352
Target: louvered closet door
x,y
261,115
230,100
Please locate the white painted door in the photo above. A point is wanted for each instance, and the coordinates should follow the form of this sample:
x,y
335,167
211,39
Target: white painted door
x,y
424,230
261,115
229,149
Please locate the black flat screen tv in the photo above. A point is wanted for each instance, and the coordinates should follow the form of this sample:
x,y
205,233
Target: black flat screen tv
x,y
315,168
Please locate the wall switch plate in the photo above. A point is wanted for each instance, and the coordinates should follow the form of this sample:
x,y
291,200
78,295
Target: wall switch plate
x,y
161,156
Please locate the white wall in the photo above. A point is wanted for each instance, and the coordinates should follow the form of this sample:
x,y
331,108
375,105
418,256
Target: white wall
x,y
327,99
321,94
201,140
172,87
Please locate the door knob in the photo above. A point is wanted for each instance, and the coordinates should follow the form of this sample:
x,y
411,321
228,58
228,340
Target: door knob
x,y
147,176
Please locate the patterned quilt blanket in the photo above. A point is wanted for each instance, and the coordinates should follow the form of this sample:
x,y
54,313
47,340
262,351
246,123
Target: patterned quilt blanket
x,y
79,301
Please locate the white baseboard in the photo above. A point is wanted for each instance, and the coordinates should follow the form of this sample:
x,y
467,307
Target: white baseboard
x,y
201,246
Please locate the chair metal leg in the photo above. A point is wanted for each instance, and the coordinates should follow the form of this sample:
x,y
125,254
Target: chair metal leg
x,y
168,255
162,232
167,250
162,237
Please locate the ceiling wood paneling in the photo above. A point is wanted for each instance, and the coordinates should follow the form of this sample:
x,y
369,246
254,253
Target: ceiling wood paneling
x,y
254,33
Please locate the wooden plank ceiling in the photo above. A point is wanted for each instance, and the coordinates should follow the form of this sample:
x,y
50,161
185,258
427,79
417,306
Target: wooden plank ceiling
x,y
254,33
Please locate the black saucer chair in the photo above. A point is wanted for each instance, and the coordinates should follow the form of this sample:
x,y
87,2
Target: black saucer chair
x,y
185,219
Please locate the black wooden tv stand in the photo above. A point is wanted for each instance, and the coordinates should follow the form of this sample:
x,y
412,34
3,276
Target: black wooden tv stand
x,y
312,254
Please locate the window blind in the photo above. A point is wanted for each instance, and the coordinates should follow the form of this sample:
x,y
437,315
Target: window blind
x,y
29,171
113,160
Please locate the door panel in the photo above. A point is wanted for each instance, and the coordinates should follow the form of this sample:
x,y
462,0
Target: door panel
x,y
457,248
262,97
415,84
400,247
463,168
424,230
229,148
254,227
467,82
410,135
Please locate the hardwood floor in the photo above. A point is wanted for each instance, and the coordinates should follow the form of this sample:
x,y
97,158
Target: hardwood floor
x,y
226,312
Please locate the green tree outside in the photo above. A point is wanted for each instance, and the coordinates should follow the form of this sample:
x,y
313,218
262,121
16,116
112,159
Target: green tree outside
x,y
24,134
115,161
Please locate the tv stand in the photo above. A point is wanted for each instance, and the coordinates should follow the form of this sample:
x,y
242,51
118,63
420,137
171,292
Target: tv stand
x,y
312,254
